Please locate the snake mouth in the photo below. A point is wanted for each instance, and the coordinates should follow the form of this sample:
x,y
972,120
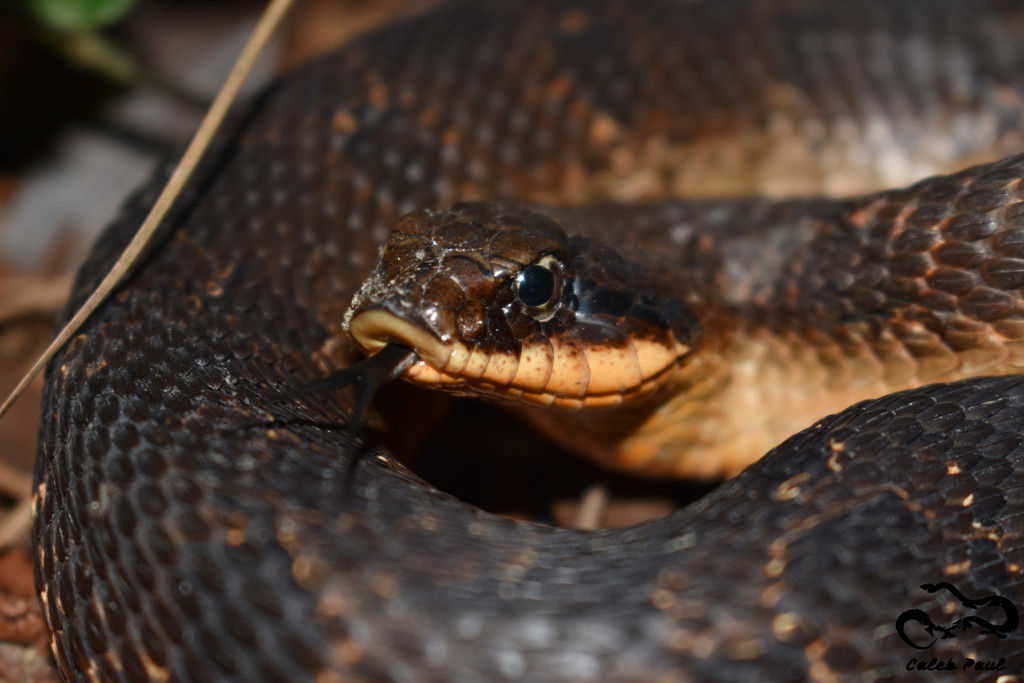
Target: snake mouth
x,y
565,373
375,329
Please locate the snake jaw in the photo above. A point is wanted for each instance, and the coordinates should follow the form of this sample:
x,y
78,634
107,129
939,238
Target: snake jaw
x,y
562,373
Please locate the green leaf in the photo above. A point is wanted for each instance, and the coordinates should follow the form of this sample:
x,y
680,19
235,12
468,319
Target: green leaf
x,y
74,15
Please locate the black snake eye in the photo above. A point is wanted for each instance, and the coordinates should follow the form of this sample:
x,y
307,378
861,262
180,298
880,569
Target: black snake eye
x,y
539,288
536,286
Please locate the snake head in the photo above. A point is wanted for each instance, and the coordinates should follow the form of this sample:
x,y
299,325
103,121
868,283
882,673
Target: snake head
x,y
500,300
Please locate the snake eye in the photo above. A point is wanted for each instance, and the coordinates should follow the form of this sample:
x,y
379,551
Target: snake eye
x,y
539,288
536,286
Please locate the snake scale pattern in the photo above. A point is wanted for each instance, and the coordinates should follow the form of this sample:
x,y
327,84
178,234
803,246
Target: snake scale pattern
x,y
195,523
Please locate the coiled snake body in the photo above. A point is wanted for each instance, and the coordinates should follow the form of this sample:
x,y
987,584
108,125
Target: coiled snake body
x,y
194,520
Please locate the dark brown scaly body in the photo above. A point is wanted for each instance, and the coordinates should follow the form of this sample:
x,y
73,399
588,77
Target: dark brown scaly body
x,y
192,525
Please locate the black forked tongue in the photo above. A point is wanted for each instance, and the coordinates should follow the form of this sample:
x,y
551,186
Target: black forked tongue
x,y
368,375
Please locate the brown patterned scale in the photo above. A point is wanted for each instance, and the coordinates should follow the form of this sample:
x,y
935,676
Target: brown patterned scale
x,y
196,520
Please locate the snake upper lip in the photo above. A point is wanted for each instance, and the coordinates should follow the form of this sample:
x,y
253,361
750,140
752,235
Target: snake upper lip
x,y
376,328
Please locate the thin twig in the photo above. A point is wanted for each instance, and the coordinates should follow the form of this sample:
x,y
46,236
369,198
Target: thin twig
x,y
269,21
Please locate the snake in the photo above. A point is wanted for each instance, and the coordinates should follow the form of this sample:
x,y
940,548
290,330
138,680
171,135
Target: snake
x,y
198,516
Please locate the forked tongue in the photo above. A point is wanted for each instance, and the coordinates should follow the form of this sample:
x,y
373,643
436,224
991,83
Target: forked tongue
x,y
368,375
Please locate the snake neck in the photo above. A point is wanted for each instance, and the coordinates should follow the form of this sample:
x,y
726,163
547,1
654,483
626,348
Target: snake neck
x,y
743,392
764,385
702,423
859,299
